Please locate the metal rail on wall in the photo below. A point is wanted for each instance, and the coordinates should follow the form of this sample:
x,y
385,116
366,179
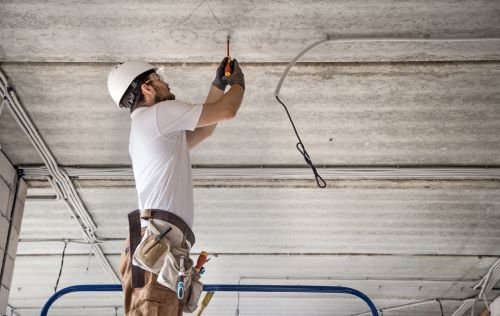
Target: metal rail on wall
x,y
221,288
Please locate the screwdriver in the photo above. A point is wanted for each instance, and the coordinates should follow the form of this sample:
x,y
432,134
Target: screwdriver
x,y
163,234
201,261
227,70
205,302
180,280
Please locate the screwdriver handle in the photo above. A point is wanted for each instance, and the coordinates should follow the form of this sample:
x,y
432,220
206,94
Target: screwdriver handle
x,y
202,258
228,70
180,288
163,234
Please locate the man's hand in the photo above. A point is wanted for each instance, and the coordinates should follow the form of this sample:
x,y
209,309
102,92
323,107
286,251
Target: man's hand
x,y
237,76
219,80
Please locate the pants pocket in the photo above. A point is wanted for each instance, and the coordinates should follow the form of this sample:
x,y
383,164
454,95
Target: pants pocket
x,y
154,300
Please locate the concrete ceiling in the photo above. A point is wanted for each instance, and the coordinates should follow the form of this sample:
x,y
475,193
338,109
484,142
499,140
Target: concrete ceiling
x,y
400,131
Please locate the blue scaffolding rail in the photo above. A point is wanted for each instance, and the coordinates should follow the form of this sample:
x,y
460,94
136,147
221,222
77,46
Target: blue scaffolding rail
x,y
221,288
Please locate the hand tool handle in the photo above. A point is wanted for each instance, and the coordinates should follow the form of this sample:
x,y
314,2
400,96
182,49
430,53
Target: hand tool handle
x,y
160,236
180,288
202,258
180,281
205,302
228,70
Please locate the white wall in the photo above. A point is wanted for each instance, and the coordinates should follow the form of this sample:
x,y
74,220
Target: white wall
x,y
11,213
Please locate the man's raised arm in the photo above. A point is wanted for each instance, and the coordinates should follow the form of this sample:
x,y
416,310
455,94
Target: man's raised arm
x,y
219,106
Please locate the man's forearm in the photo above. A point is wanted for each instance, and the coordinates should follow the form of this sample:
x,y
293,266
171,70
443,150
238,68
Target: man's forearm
x,y
213,95
234,97
199,134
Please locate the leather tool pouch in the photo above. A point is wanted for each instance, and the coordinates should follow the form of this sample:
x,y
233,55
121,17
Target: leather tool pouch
x,y
169,273
169,276
193,294
151,252
161,257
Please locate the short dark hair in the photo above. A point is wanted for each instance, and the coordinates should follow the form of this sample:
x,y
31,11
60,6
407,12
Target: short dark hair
x,y
133,96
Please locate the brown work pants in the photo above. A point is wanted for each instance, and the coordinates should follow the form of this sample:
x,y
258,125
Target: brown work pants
x,y
153,299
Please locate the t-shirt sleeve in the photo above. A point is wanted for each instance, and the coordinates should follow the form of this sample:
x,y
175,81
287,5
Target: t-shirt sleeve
x,y
176,115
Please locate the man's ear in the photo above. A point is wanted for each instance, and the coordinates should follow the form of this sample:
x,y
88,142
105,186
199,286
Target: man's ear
x,y
147,90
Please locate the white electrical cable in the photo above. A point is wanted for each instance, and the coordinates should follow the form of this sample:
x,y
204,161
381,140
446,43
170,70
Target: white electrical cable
x,y
3,103
353,39
300,145
488,282
466,305
394,308
59,178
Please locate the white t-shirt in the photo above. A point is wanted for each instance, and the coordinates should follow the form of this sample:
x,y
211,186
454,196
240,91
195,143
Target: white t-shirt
x,y
160,156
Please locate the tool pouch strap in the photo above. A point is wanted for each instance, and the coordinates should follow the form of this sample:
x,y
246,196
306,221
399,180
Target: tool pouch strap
x,y
134,219
170,218
134,224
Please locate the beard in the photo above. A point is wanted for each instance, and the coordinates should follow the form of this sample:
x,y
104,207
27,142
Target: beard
x,y
166,97
163,94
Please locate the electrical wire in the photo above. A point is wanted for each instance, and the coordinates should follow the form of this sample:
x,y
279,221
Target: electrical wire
x,y
3,103
237,311
302,149
440,306
462,309
404,306
351,39
62,264
88,261
488,282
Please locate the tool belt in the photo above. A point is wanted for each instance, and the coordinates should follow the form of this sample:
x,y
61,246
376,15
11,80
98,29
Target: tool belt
x,y
164,250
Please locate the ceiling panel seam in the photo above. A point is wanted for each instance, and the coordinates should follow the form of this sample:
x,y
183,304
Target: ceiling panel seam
x,y
287,173
195,64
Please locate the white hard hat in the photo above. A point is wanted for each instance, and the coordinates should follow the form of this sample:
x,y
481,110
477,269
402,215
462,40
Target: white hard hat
x,y
122,75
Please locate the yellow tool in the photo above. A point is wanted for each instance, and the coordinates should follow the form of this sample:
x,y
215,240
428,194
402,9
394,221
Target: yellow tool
x,y
205,302
227,70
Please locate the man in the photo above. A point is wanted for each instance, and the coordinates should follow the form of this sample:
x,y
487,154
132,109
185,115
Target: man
x,y
162,132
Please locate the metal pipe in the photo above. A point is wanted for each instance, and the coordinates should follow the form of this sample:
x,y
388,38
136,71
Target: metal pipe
x,y
221,288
